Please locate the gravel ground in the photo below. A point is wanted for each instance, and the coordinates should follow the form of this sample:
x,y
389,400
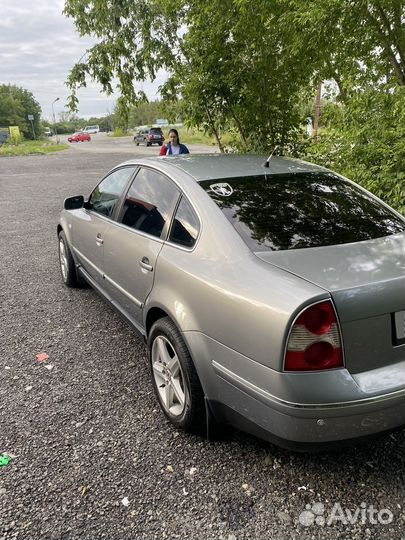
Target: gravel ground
x,y
93,457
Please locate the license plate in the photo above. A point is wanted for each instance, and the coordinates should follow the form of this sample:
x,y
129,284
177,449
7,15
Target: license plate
x,y
398,327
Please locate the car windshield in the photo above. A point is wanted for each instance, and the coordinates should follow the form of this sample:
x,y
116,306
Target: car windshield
x,y
301,210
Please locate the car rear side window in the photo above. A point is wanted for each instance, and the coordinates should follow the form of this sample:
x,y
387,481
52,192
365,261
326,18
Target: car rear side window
x,y
185,227
301,210
149,203
105,197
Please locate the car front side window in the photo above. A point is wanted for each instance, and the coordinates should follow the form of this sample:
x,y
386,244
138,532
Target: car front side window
x,y
149,203
105,197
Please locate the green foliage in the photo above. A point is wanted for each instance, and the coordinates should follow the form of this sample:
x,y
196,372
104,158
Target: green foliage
x,y
239,73
69,123
15,138
120,117
105,123
198,136
357,43
133,42
118,132
249,69
63,128
145,113
15,106
365,141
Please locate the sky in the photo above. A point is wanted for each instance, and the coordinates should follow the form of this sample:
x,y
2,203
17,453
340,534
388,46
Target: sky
x,y
39,46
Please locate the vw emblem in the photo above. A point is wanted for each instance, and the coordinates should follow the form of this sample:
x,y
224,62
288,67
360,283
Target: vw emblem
x,y
223,189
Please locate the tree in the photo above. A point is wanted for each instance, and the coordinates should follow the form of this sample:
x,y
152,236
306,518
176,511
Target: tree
x,y
15,105
145,113
248,68
361,46
358,43
238,71
364,139
134,41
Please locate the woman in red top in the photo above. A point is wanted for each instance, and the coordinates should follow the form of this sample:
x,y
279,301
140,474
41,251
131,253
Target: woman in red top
x,y
173,147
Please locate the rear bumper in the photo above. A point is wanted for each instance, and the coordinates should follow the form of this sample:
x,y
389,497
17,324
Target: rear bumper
x,y
295,408
291,426
226,415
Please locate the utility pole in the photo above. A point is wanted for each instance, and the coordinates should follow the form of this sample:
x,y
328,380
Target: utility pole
x,y
31,119
317,112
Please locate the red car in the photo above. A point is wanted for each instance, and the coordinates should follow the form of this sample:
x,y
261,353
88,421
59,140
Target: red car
x,y
79,137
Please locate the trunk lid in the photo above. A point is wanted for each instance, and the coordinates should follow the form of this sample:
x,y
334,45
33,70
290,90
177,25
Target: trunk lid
x,y
367,283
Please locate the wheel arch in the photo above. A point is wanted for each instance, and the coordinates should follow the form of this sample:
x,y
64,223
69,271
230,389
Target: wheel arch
x,y
157,312
154,314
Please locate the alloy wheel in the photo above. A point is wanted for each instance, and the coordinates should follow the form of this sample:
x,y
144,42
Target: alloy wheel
x,y
63,259
168,376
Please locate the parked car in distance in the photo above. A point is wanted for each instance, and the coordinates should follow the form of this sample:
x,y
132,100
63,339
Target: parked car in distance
x,y
79,137
270,294
91,129
48,132
149,136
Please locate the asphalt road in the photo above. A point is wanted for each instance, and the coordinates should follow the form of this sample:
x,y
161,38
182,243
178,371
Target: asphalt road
x,y
101,142
92,455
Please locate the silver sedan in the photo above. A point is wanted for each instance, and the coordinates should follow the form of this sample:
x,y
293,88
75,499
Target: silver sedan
x,y
270,293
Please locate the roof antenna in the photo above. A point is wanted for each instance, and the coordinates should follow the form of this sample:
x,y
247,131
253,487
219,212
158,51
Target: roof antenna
x,y
267,164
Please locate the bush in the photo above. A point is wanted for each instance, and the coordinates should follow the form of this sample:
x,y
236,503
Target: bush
x,y
15,138
118,132
365,141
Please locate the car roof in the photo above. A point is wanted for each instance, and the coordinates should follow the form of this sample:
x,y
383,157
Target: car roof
x,y
213,166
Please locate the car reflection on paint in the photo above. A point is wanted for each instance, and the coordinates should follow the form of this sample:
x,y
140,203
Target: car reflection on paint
x,y
271,294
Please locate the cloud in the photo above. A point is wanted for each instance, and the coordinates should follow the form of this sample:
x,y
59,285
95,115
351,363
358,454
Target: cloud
x,y
38,48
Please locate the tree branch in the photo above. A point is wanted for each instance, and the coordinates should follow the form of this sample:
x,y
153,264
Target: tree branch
x,y
386,44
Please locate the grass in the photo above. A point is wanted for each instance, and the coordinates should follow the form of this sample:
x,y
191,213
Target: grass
x,y
196,136
27,148
118,133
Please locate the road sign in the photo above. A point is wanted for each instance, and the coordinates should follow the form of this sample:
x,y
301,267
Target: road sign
x,y
31,119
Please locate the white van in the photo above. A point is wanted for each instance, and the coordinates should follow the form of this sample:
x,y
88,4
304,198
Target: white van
x,y
91,129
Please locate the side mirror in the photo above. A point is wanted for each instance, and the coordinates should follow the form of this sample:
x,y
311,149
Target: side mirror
x,y
73,203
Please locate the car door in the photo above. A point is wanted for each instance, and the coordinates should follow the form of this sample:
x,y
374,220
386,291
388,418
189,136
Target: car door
x,y
89,224
133,243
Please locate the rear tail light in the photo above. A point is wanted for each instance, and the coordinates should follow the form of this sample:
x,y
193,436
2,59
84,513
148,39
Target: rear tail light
x,y
314,342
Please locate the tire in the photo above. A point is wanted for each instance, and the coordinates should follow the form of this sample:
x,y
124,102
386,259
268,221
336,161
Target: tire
x,y
66,262
148,144
160,144
175,380
137,144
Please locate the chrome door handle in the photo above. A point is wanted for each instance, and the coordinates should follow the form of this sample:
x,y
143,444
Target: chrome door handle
x,y
99,240
144,263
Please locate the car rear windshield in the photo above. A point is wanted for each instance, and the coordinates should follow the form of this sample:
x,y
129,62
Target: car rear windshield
x,y
156,131
300,210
